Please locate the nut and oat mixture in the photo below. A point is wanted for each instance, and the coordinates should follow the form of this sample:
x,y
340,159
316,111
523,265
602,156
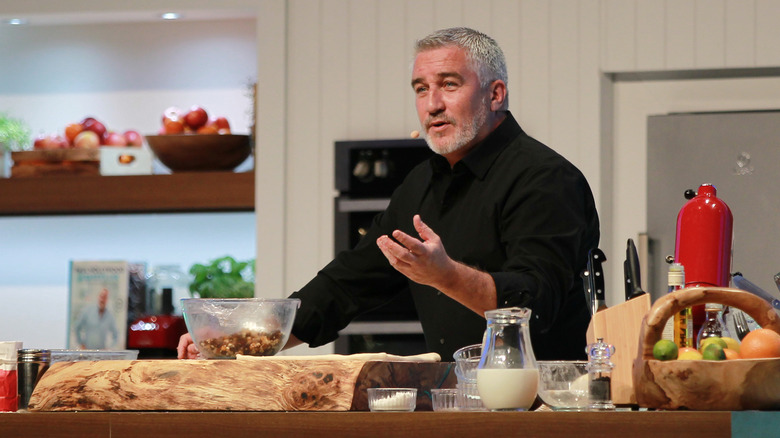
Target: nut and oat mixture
x,y
246,341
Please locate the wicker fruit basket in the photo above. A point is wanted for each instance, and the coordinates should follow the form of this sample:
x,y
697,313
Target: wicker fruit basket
x,y
730,385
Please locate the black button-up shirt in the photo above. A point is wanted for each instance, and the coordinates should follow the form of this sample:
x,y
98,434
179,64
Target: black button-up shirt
x,y
513,208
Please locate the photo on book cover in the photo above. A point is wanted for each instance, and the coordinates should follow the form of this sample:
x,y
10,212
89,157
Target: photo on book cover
x,y
97,317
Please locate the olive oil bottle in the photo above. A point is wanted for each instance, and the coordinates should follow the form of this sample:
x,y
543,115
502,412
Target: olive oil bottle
x,y
683,320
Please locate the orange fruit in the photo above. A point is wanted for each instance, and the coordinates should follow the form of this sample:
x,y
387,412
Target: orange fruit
x,y
731,354
760,343
72,130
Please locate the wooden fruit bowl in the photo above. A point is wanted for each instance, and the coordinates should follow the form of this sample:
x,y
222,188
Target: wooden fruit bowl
x,y
200,152
731,385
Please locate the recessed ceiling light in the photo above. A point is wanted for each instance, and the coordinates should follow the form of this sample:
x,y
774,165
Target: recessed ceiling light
x,y
15,21
170,16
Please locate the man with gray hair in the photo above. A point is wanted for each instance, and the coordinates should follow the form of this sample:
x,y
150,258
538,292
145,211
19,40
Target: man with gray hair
x,y
494,219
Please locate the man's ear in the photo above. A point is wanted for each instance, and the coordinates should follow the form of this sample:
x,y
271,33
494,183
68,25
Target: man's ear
x,y
497,95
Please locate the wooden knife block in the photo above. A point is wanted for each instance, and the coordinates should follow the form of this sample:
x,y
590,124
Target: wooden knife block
x,y
620,326
231,385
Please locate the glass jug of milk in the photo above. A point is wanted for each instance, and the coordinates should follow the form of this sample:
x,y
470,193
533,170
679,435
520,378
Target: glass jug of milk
x,y
507,374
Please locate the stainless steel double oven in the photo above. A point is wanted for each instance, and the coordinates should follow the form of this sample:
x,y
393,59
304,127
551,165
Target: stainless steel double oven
x,y
367,172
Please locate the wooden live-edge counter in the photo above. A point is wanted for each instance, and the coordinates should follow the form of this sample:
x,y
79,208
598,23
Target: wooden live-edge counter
x,y
656,424
83,194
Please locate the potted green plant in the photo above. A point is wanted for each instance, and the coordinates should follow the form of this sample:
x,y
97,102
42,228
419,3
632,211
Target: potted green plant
x,y
224,277
14,136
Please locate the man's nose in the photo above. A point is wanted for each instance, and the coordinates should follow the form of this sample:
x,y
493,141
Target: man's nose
x,y
434,102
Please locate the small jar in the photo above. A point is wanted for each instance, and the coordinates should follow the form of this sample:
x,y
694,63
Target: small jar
x,y
31,363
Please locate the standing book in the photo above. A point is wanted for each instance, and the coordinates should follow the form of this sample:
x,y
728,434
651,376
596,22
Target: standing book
x,y
97,310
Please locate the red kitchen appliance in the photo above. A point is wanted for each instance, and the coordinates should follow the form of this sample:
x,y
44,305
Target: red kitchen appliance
x,y
703,243
156,336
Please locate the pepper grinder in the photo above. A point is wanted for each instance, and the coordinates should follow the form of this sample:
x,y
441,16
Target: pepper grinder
x,y
600,375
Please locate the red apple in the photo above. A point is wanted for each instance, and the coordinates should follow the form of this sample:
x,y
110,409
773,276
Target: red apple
x,y
208,129
115,139
134,138
196,117
222,123
64,143
87,140
44,142
72,130
171,113
50,141
173,127
92,124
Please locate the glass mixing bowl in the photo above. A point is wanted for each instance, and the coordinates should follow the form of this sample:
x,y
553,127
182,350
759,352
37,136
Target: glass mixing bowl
x,y
224,328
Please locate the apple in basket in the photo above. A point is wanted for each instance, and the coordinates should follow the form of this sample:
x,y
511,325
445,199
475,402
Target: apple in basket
x,y
94,125
86,140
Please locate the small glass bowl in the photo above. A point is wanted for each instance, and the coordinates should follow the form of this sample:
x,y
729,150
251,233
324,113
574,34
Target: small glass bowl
x,y
564,384
468,397
392,399
466,361
444,399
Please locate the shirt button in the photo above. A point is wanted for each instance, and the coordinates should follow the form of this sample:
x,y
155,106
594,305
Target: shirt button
x,y
441,341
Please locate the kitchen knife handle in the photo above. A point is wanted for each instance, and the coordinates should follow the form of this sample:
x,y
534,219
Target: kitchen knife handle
x,y
598,297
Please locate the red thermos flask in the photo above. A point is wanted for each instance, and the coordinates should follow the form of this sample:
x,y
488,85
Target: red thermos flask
x,y
703,244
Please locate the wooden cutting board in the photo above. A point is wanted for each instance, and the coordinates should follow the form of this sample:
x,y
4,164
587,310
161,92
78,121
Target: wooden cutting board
x,y
231,385
620,326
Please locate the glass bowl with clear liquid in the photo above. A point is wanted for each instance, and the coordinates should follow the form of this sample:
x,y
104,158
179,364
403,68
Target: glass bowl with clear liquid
x,y
563,384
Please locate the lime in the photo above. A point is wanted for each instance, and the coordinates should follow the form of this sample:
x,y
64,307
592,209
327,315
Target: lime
x,y
665,350
712,340
713,351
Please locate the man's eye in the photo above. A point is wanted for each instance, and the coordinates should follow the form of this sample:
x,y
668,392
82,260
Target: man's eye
x,y
420,89
450,85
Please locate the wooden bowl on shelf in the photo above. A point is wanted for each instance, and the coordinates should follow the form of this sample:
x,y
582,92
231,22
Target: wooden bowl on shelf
x,y
727,385
200,152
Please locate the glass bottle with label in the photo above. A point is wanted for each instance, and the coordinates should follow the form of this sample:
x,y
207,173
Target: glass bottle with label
x,y
683,320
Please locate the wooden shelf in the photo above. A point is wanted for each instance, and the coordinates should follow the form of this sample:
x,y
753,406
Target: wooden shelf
x,y
179,192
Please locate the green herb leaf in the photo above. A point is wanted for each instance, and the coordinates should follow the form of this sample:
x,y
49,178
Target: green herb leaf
x,y
224,277
14,134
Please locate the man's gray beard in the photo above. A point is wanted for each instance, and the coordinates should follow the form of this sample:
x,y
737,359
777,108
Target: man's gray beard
x,y
462,136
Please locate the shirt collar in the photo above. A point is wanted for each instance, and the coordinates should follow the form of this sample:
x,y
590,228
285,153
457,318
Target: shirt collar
x,y
482,157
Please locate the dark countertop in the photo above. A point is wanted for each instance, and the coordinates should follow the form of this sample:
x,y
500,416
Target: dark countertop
x,y
655,424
